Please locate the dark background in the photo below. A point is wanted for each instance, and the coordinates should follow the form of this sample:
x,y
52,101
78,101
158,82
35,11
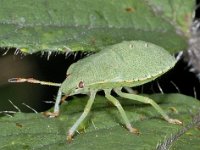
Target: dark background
x,y
180,79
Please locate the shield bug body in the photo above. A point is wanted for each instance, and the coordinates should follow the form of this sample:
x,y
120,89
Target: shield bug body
x,y
127,64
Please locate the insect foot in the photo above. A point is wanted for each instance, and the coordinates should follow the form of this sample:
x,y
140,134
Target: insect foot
x,y
69,138
134,130
175,121
51,114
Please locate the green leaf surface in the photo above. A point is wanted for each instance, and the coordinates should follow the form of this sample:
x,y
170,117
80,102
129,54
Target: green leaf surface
x,y
178,12
85,25
103,128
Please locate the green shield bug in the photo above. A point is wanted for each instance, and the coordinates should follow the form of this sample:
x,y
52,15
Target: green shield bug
x,y
127,64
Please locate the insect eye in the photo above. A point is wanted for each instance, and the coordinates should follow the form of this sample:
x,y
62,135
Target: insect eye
x,y
81,84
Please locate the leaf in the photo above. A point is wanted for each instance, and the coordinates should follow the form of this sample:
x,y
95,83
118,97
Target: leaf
x,y
167,143
178,12
103,127
86,25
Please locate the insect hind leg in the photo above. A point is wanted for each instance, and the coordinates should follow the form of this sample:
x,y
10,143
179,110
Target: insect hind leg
x,y
121,110
148,101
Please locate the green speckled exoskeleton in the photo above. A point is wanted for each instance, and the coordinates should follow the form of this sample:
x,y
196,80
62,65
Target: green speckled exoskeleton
x,y
127,64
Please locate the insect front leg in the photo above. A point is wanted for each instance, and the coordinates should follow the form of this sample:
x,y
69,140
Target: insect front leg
x,y
82,117
148,101
121,110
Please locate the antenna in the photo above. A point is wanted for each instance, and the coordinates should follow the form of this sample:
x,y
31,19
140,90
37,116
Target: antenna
x,y
31,80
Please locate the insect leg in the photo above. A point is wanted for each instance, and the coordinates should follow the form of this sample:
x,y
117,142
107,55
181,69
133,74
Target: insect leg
x,y
55,113
58,100
121,110
130,90
82,117
147,101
